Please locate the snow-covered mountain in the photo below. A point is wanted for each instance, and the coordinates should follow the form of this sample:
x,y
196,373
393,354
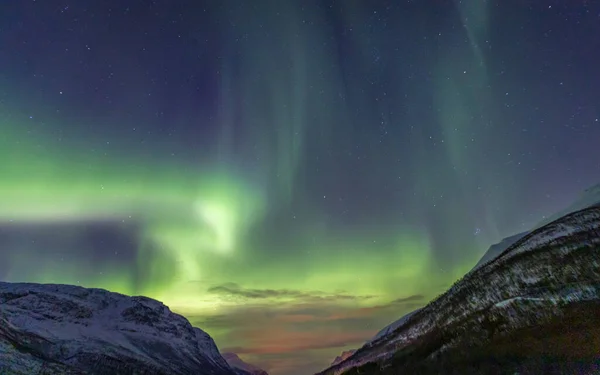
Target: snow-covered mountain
x,y
64,329
538,281
241,367
588,198
490,254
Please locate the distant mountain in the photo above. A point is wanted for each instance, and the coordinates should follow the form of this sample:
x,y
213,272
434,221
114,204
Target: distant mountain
x,y
241,367
533,309
64,329
342,356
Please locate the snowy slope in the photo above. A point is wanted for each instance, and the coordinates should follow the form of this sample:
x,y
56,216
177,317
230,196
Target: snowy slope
x,y
75,330
241,367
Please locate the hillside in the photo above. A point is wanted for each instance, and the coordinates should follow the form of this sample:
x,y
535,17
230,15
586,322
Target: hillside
x,y
547,278
64,329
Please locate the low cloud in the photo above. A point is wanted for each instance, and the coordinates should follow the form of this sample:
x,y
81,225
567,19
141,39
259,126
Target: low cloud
x,y
413,298
232,290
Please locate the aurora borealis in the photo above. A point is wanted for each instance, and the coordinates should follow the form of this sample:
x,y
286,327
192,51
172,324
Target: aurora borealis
x,y
290,175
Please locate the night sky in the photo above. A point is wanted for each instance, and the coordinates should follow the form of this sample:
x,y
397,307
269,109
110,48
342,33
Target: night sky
x,y
291,176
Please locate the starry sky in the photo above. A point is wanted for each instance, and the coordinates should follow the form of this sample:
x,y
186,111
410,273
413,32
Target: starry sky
x,y
290,175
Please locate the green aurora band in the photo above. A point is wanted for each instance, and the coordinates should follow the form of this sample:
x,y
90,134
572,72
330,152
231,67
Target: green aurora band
x,y
197,224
